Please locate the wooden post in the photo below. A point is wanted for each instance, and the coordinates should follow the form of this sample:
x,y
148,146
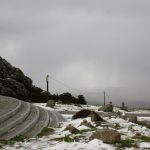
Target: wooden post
x,y
47,83
104,98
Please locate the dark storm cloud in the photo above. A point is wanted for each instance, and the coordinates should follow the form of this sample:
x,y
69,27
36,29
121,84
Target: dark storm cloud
x,y
92,45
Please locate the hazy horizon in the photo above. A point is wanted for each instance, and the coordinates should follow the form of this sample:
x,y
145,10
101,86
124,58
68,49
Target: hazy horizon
x,y
90,45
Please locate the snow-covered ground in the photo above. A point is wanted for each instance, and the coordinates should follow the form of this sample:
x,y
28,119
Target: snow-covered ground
x,y
144,119
57,141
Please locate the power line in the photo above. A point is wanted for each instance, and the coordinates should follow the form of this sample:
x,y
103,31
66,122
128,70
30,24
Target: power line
x,y
65,85
108,96
72,88
87,93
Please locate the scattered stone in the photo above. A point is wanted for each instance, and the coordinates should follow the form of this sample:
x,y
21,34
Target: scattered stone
x,y
71,129
106,135
117,125
46,131
148,125
98,123
86,123
87,113
76,139
106,108
95,117
137,135
131,118
118,114
144,123
131,128
50,103
81,114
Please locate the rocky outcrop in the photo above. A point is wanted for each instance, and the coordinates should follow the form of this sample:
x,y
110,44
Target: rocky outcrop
x,y
14,83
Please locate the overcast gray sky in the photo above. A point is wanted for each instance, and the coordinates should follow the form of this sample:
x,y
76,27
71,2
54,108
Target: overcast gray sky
x,y
90,45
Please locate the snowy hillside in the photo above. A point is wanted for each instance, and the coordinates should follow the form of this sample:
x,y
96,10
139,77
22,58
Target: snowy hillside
x,y
133,135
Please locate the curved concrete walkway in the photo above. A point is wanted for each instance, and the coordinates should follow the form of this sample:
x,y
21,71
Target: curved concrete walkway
x,y
22,118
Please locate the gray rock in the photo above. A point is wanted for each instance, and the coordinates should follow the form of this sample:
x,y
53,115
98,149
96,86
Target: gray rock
x,y
76,139
51,103
131,118
86,123
106,108
71,129
95,117
87,113
106,135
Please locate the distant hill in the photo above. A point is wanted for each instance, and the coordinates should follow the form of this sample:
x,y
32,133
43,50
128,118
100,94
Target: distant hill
x,y
139,104
130,104
14,83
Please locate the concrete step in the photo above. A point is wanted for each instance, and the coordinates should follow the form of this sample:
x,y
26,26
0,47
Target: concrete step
x,y
22,118
8,107
53,121
59,116
40,124
23,112
24,126
55,118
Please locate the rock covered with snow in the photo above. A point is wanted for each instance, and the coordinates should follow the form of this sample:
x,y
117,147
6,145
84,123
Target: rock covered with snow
x,y
127,129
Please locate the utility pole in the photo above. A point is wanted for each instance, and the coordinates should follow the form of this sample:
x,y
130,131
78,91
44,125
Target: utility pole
x,y
47,84
104,98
